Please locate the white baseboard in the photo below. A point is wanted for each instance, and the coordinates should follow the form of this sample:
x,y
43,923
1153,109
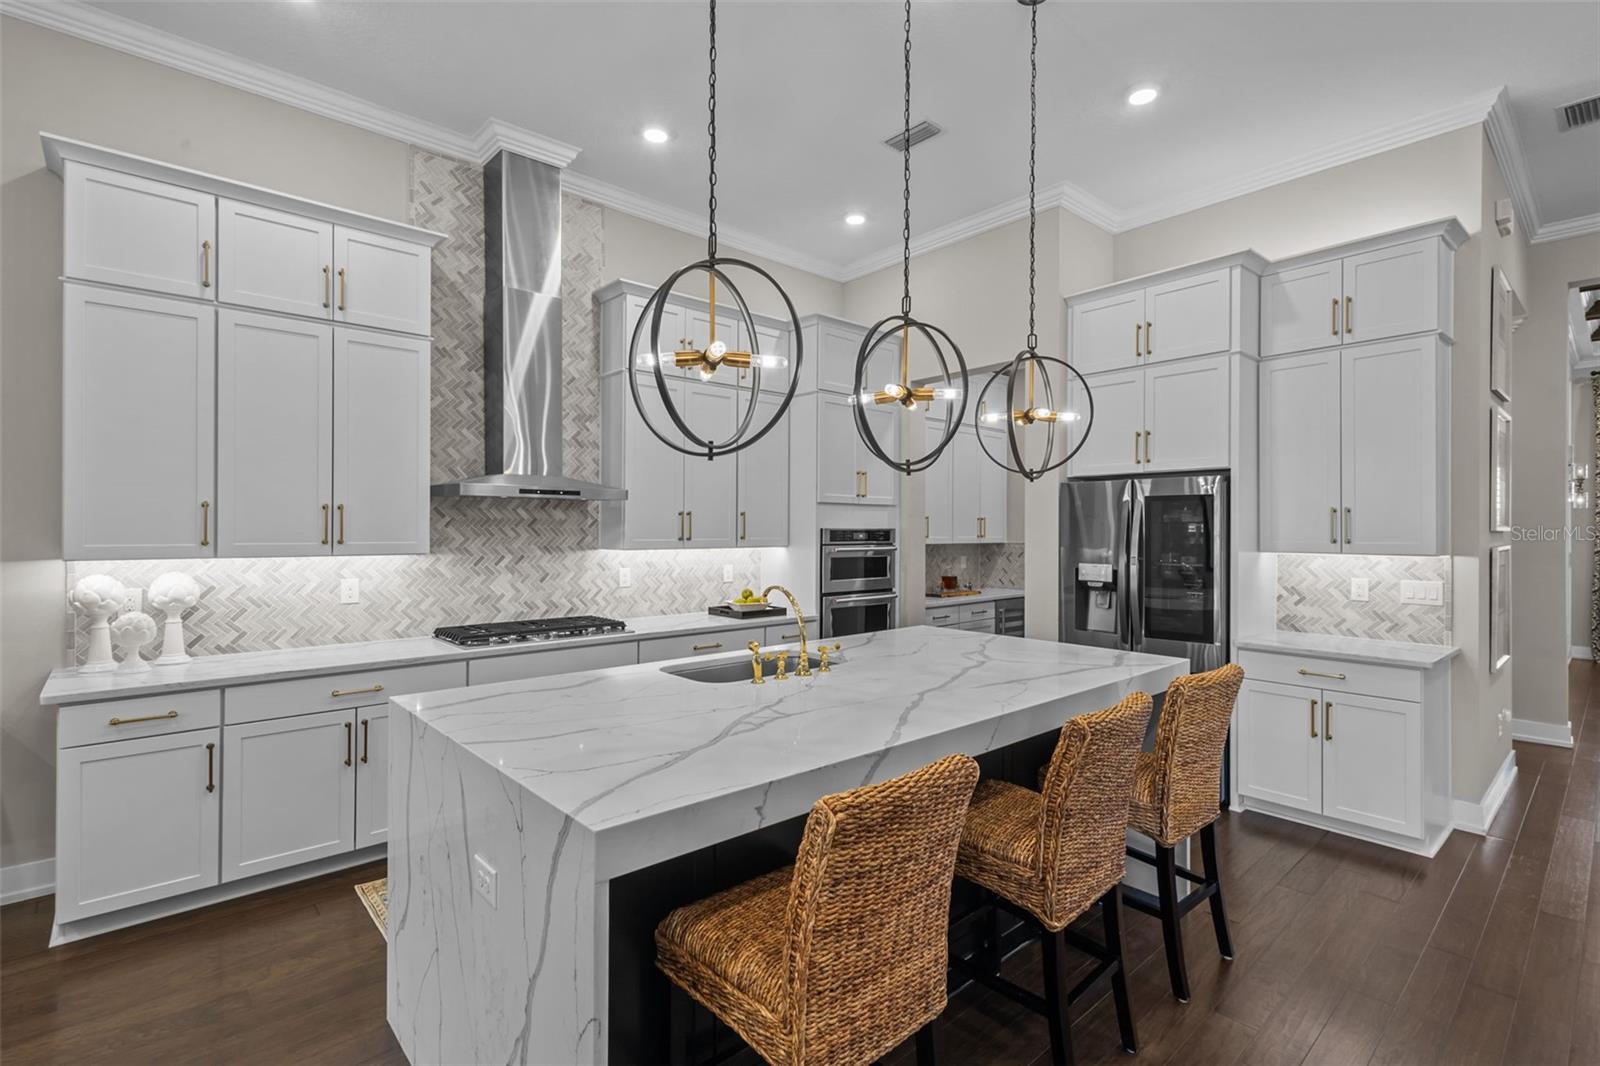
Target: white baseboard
x,y
1556,734
27,880
1476,817
1578,651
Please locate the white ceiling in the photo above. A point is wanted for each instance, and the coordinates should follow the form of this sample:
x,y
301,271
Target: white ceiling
x,y
808,90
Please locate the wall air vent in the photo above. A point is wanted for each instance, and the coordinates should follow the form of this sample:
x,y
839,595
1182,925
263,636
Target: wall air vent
x,y
922,131
1570,117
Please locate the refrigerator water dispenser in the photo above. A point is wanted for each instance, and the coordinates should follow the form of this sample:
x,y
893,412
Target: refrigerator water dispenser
x,y
1097,597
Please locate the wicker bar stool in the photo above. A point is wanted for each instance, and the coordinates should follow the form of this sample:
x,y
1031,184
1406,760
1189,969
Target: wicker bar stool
x,y
1175,795
841,957
1049,856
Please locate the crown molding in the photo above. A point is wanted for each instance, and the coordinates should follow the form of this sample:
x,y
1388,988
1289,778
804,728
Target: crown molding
x,y
496,135
1507,148
1571,227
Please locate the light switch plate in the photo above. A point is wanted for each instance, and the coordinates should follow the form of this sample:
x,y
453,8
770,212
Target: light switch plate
x,y
624,577
350,590
1358,588
484,880
1426,593
727,574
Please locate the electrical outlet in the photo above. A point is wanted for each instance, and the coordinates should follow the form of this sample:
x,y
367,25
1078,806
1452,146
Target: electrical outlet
x,y
727,574
1358,588
484,880
1504,718
349,590
132,600
624,577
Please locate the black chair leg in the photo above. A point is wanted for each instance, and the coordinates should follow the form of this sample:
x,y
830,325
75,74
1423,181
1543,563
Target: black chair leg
x,y
1171,930
1054,948
1219,917
928,1044
680,1026
991,941
1111,916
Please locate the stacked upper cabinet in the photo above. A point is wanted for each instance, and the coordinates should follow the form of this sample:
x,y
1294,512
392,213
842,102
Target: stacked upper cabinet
x,y
1354,396
245,373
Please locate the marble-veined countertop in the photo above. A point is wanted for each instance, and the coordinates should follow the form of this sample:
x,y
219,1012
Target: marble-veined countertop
x,y
1352,649
988,595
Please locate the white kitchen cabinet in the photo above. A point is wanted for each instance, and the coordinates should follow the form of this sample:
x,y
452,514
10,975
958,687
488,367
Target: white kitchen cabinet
x,y
768,341
880,485
710,486
992,481
1115,444
832,346
122,229
1389,292
763,489
1106,332
938,486
1189,315
695,645
1301,308
847,472
1300,487
274,260
289,791
372,775
380,444
1392,447
965,491
1280,744
274,435
1186,415
381,281
1371,757
546,662
139,424
137,821
652,515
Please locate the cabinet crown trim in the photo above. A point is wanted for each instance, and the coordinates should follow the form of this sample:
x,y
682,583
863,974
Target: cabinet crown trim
x,y
58,151
1249,259
1449,230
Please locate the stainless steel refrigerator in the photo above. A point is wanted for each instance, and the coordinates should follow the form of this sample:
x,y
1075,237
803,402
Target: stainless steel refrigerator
x,y
1144,565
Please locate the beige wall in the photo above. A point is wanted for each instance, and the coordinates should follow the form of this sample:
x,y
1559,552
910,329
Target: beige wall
x,y
1582,545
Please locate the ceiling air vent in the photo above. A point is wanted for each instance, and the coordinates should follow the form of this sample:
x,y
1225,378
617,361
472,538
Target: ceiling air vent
x,y
1569,117
922,131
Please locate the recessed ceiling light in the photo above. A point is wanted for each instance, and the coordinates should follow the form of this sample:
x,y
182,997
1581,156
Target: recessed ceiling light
x,y
1141,96
656,135
855,218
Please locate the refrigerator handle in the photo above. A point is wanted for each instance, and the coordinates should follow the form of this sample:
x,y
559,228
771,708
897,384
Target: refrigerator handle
x,y
1135,585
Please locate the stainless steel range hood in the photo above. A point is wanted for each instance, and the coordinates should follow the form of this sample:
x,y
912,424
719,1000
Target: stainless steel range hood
x,y
522,339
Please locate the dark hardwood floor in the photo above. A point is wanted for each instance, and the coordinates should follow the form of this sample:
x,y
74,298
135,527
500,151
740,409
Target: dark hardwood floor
x,y
1347,954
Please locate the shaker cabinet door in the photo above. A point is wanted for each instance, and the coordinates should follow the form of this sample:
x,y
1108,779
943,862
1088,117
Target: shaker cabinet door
x,y
289,791
139,425
380,444
992,496
141,234
1372,762
1391,292
1300,489
764,481
1189,316
880,485
1108,332
380,281
372,776
1301,308
1280,744
710,485
274,260
137,821
274,436
652,515
1389,448
1186,409
938,484
839,451
1115,444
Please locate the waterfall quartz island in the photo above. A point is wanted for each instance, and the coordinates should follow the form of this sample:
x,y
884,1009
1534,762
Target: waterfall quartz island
x,y
541,828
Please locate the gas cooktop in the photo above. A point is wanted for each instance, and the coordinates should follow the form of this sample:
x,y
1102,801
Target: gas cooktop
x,y
489,633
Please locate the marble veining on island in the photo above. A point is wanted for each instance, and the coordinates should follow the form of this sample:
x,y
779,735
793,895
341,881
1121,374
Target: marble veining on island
x,y
563,784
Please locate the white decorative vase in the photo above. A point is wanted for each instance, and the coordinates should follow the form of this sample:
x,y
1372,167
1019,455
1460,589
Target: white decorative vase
x,y
131,631
98,596
173,592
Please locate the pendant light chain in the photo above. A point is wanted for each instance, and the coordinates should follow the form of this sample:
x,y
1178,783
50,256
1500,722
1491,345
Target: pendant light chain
x,y
711,128
1033,149
905,156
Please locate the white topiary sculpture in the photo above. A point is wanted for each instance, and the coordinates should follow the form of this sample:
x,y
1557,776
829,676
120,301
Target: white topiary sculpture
x,y
173,592
131,631
99,596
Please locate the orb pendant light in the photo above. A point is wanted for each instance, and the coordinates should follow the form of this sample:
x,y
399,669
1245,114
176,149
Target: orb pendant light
x,y
899,328
1028,367
717,357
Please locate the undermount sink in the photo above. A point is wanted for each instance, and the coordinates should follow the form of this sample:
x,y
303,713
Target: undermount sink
x,y
727,671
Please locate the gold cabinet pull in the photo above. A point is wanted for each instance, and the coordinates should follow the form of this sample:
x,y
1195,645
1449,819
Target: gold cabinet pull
x,y
1327,719
366,737
1334,317
324,523
1313,718
1149,332
338,692
1147,445
1303,672
680,525
341,524
927,527
349,742
1349,306
1136,328
341,288
707,647
1333,525
143,718
205,264
1136,446
690,516
211,767
744,525
327,288
1347,525
205,523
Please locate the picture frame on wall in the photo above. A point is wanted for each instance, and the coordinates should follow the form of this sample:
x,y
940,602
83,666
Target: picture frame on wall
x,y
1499,608
1499,470
1502,302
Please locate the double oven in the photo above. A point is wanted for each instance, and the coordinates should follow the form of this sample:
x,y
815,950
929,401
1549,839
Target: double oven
x,y
857,581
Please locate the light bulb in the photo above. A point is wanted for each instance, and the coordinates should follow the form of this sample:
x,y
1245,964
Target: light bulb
x,y
646,360
947,392
769,362
994,417
716,350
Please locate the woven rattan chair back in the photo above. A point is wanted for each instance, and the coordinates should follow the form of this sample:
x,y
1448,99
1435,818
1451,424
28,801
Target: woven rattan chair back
x,y
869,909
1190,738
1084,817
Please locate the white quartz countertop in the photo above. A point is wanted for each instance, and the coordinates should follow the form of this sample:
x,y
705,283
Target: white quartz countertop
x,y
67,686
655,764
984,596
1352,649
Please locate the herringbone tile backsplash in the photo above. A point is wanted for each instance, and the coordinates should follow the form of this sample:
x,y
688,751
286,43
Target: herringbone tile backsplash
x,y
984,565
1314,597
492,559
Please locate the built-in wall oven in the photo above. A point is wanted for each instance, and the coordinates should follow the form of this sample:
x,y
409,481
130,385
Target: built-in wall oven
x,y
857,581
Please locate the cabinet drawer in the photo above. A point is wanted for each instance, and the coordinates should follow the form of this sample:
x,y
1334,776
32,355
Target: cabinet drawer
x,y
551,661
92,723
978,625
1332,675
972,612
941,616
726,640
787,634
280,699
